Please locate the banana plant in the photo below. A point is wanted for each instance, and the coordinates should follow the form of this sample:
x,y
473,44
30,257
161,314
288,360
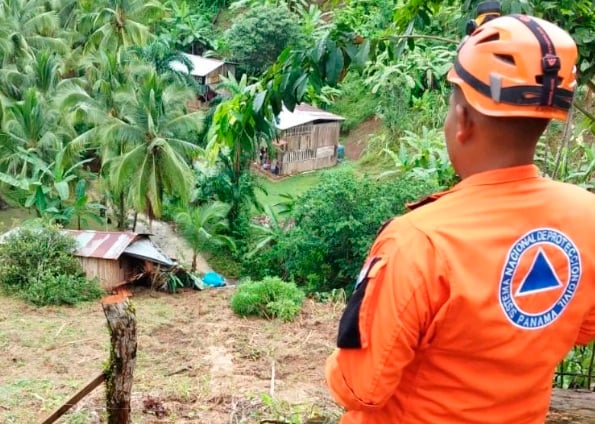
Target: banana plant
x,y
48,188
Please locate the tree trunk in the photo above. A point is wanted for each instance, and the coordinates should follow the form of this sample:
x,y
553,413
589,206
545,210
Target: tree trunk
x,y
134,222
122,327
121,213
193,266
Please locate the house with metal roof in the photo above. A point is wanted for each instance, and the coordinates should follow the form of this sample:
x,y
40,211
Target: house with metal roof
x,y
117,258
309,139
206,71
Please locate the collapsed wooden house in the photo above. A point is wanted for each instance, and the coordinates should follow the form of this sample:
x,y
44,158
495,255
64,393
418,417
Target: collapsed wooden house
x,y
117,258
309,139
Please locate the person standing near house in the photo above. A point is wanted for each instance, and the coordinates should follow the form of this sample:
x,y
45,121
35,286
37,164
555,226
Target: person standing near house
x,y
465,305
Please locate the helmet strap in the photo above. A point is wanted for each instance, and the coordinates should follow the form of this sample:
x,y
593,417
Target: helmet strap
x,y
550,62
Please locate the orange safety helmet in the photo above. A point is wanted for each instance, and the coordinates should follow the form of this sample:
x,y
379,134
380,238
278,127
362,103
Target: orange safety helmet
x,y
517,66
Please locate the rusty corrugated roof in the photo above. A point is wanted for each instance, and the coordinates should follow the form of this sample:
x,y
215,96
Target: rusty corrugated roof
x,y
102,244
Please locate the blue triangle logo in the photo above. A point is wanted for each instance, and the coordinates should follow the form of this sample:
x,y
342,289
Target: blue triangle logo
x,y
541,277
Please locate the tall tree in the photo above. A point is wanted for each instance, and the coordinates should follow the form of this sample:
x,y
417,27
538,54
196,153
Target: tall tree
x,y
28,26
116,24
154,135
239,124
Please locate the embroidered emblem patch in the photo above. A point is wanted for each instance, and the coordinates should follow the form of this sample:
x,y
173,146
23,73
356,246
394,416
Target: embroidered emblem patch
x,y
540,277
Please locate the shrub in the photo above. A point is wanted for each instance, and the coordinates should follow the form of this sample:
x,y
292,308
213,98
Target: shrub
x,y
61,289
335,224
37,264
268,298
356,103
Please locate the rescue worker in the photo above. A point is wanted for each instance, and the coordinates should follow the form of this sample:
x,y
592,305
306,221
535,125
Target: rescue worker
x,y
466,304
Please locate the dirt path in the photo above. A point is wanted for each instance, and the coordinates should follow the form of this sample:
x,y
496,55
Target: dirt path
x,y
172,243
357,140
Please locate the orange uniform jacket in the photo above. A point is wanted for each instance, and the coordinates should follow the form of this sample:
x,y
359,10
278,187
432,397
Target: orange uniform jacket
x,y
465,305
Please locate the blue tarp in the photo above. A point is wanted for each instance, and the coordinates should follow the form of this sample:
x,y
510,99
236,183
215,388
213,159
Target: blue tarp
x,y
213,279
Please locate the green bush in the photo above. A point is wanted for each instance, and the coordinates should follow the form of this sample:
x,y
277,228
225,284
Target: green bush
x,y
37,264
269,298
334,226
61,289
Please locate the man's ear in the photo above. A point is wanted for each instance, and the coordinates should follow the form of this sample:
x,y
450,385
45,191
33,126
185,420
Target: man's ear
x,y
464,123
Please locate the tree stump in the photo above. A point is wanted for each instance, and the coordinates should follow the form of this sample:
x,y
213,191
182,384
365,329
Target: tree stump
x,y
118,375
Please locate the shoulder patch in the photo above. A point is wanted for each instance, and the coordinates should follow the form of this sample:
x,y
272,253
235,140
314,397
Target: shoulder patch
x,y
539,278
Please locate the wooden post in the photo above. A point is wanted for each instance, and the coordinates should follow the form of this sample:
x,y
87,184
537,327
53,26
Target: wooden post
x,y
122,326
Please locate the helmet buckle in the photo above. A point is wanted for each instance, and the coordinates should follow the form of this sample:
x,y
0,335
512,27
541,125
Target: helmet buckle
x,y
495,87
550,64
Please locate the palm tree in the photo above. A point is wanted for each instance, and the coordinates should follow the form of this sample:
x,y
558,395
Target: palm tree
x,y
91,103
145,144
31,125
160,54
204,224
28,26
155,129
113,24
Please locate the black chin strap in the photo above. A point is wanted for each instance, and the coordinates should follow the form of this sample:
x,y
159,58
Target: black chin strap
x,y
546,94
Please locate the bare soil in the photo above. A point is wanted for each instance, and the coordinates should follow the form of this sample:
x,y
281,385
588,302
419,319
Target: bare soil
x,y
357,140
196,360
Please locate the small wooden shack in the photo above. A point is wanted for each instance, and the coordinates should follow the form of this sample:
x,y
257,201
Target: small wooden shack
x,y
309,139
206,71
116,257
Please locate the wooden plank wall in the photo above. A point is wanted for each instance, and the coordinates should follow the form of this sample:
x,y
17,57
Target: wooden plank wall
x,y
108,271
309,151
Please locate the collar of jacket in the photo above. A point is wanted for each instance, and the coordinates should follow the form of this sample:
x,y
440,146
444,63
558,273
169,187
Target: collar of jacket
x,y
494,176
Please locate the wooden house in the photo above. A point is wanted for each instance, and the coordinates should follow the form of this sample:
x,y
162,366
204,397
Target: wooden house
x,y
309,139
206,71
115,257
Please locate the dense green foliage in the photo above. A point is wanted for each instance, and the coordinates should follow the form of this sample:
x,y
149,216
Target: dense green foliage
x,y
333,226
258,37
269,298
37,264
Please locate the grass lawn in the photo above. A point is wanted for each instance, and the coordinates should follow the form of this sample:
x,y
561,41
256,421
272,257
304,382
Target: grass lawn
x,y
295,186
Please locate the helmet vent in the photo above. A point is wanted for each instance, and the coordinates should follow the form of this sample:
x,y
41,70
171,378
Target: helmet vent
x,y
489,39
506,58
